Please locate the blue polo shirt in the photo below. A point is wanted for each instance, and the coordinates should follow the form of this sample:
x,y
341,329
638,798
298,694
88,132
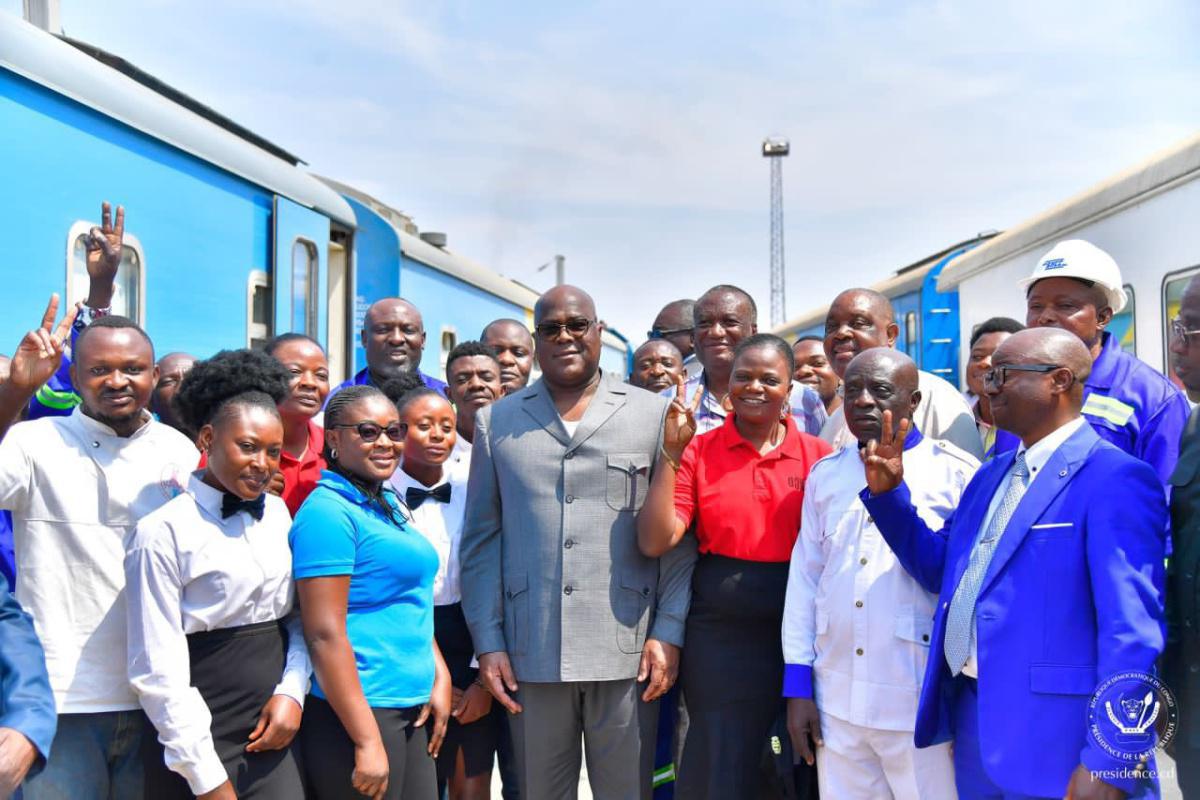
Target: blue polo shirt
x,y
1135,407
389,615
363,378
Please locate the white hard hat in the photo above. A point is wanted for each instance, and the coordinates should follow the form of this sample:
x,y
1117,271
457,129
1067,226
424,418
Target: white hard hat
x,y
1075,258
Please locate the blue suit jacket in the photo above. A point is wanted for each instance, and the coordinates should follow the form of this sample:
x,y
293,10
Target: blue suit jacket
x,y
26,703
1071,597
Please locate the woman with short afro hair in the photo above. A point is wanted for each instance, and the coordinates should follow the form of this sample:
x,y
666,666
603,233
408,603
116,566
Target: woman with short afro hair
x,y
216,654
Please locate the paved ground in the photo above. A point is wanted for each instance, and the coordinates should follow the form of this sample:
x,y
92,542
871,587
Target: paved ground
x,y
1170,789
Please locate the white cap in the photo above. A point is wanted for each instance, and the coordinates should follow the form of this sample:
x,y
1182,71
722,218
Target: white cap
x,y
1075,258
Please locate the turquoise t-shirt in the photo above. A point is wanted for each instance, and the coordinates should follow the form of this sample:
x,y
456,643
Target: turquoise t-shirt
x,y
389,617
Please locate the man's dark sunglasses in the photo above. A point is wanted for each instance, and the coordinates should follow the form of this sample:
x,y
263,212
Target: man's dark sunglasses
x,y
550,331
655,333
369,431
998,376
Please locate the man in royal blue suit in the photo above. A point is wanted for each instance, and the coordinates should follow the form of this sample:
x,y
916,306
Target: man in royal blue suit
x,y
1049,577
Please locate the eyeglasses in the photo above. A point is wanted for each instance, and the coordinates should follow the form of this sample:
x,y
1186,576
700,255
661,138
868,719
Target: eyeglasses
x,y
1180,331
655,333
369,431
550,331
998,376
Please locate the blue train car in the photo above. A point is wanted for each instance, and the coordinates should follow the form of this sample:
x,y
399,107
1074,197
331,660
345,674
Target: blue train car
x,y
927,318
227,239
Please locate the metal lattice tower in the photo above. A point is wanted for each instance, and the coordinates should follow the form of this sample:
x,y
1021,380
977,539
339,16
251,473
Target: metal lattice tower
x,y
776,149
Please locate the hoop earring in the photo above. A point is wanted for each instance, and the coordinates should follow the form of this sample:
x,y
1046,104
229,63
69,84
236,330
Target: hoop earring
x,y
333,454
784,413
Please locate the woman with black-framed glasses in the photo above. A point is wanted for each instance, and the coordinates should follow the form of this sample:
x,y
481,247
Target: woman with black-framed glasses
x,y
365,581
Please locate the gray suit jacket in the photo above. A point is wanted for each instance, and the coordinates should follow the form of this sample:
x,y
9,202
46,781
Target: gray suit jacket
x,y
551,571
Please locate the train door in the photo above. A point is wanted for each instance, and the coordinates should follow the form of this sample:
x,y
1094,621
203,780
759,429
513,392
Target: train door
x,y
299,264
340,314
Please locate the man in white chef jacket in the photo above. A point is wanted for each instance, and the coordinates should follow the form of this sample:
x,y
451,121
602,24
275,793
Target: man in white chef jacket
x,y
856,626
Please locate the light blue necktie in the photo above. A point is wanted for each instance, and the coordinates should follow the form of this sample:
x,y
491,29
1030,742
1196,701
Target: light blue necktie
x,y
960,622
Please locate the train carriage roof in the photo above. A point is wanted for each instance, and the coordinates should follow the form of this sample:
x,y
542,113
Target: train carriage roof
x,y
906,279
1161,172
447,261
117,89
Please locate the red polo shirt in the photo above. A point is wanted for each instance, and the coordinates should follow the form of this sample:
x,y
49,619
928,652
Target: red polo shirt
x,y
745,505
300,475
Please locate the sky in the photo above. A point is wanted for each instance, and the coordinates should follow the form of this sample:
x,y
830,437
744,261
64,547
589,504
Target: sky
x,y
626,135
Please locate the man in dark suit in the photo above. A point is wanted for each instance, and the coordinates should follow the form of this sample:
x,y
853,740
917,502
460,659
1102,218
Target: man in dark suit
x,y
1182,660
1048,576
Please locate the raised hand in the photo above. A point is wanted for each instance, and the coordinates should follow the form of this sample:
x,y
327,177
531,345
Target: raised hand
x,y
104,247
104,244
680,425
884,459
40,353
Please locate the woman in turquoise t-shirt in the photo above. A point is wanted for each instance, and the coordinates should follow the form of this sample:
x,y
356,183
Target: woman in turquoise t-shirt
x,y
365,582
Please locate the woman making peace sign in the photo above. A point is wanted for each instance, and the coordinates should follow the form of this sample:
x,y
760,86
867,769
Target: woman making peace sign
x,y
742,486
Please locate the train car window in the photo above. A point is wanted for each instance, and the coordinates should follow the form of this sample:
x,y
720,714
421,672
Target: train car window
x,y
258,309
449,342
129,286
304,287
1172,295
910,333
1123,325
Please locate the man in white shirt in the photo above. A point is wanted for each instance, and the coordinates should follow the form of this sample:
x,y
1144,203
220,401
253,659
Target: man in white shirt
x,y
76,486
856,626
860,319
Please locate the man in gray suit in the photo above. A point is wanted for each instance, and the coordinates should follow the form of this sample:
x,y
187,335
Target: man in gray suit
x,y
567,616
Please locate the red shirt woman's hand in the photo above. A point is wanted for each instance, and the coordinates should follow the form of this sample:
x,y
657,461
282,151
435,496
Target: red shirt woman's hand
x,y
680,424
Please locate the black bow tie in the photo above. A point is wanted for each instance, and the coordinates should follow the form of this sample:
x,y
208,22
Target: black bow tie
x,y
231,504
415,495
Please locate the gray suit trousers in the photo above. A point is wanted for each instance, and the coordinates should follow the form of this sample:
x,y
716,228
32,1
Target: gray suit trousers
x,y
618,732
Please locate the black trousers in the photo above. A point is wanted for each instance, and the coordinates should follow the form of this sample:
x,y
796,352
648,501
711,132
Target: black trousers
x,y
732,677
235,670
412,773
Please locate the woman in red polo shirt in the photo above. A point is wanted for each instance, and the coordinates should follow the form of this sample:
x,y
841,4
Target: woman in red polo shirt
x,y
301,463
742,487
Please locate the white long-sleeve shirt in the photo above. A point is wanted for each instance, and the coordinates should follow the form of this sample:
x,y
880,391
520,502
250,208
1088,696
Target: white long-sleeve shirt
x,y
76,489
190,570
856,626
441,524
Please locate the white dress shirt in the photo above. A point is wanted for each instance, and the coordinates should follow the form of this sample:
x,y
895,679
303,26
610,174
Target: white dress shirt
x,y
852,613
76,489
190,570
441,524
1035,459
943,413
459,462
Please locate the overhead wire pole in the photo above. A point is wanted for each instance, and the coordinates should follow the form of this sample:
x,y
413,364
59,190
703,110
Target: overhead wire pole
x,y
776,149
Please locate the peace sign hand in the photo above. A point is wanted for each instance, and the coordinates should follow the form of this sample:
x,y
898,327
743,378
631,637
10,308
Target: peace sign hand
x,y
40,352
884,459
104,248
680,425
